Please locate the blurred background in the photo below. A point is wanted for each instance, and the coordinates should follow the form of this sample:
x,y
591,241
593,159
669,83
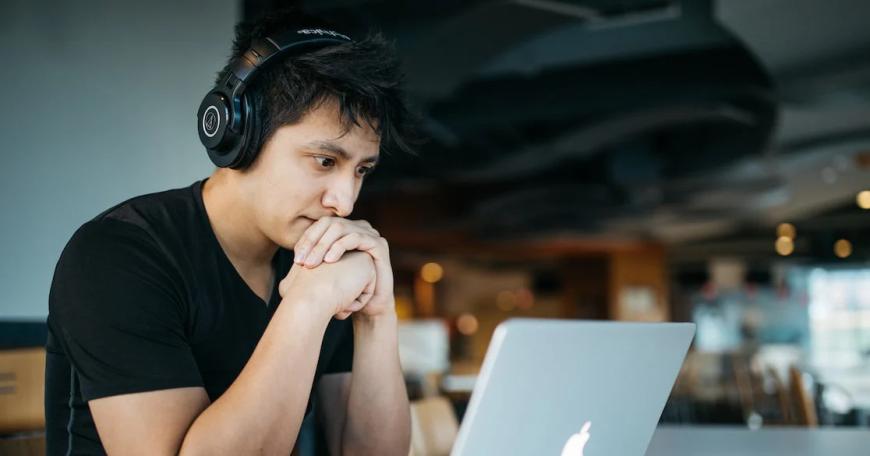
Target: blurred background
x,y
643,160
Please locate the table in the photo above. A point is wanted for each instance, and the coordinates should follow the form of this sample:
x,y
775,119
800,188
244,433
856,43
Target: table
x,y
730,441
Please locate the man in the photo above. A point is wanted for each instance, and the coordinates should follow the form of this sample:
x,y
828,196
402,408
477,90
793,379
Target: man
x,y
181,322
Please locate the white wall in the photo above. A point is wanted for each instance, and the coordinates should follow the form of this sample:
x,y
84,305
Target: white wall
x,y
98,103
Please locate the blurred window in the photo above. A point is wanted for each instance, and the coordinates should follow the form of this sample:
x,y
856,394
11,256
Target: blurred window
x,y
839,310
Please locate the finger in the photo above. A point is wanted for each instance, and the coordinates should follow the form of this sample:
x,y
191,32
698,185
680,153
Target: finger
x,y
377,247
315,255
351,234
363,299
357,305
383,269
343,315
352,241
316,231
367,227
335,252
282,287
309,238
371,287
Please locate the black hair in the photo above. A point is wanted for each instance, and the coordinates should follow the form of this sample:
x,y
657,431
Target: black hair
x,y
364,78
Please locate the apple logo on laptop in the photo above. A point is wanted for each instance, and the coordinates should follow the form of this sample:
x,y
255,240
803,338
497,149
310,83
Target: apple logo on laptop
x,y
574,445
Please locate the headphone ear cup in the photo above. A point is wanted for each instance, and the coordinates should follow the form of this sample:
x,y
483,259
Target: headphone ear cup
x,y
212,121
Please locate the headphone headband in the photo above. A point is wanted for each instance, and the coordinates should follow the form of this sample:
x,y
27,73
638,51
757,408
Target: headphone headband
x,y
224,116
296,42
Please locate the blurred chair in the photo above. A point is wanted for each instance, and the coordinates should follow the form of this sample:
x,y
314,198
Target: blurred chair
x,y
22,418
796,403
804,405
433,427
782,394
747,384
761,391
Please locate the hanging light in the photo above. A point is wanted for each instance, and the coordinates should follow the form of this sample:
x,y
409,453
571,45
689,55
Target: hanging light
x,y
431,272
863,199
467,324
842,248
784,246
786,230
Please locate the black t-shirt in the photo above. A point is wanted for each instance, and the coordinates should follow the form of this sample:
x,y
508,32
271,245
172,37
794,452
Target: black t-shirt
x,y
143,299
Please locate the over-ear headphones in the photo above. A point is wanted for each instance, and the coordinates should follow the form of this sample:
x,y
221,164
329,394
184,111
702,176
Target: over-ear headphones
x,y
225,115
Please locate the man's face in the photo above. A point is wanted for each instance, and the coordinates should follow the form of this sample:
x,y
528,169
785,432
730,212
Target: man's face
x,y
307,171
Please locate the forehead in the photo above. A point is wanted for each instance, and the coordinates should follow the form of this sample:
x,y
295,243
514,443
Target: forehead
x,y
324,124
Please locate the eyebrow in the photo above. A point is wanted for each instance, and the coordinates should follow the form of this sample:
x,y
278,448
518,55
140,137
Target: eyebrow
x,y
340,151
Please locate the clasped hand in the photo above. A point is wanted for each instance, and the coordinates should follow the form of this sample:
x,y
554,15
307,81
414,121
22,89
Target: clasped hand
x,y
345,263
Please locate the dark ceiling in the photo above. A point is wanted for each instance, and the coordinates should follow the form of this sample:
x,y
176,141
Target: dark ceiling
x,y
671,120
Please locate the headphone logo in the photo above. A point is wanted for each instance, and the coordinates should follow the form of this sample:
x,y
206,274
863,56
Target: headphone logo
x,y
210,121
318,31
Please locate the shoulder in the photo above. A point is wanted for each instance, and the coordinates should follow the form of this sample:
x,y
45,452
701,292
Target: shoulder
x,y
145,224
108,251
100,239
112,274
137,239
153,208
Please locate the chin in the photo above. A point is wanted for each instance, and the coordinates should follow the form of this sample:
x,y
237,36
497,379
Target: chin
x,y
295,231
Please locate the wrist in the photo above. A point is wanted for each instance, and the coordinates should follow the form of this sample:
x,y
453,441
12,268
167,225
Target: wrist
x,y
310,302
387,320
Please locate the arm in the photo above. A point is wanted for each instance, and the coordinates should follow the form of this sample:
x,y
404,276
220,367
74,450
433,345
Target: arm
x,y
367,412
252,416
378,414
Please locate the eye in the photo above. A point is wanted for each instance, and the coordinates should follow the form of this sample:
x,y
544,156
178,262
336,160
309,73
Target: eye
x,y
365,170
324,162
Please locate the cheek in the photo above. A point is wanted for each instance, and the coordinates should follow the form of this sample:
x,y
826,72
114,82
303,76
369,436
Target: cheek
x,y
290,203
289,191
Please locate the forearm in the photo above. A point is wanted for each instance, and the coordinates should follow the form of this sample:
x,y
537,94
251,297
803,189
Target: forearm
x,y
378,416
262,410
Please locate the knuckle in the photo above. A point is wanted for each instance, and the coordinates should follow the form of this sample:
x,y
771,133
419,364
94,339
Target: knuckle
x,y
365,225
320,245
342,243
334,229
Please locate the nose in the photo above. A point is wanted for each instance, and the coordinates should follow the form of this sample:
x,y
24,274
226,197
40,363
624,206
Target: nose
x,y
340,195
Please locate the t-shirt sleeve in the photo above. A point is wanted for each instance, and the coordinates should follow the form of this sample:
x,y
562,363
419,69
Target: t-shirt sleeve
x,y
116,305
339,340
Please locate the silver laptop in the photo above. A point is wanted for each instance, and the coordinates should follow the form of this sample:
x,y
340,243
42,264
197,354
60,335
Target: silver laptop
x,y
572,388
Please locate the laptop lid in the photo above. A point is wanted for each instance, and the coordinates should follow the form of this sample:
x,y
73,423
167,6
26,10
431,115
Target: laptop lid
x,y
542,381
